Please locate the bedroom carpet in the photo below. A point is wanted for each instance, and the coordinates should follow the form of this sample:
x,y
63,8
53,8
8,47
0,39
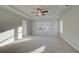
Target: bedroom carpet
x,y
38,44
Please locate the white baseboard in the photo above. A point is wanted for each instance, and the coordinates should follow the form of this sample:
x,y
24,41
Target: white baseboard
x,y
62,37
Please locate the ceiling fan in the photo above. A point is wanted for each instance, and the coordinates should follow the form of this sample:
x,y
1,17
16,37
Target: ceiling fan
x,y
40,11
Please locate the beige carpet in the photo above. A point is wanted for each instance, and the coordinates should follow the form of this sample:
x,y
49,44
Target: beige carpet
x,y
38,44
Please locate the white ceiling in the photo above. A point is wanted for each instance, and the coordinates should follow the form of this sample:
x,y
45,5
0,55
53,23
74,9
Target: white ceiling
x,y
53,10
13,15
25,11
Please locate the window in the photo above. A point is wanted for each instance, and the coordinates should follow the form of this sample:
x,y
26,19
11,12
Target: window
x,y
6,37
61,26
43,27
20,32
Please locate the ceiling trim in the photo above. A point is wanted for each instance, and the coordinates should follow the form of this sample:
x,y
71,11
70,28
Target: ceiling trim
x,y
21,11
10,8
64,11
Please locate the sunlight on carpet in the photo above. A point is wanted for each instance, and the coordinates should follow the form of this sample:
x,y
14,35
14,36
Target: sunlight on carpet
x,y
39,50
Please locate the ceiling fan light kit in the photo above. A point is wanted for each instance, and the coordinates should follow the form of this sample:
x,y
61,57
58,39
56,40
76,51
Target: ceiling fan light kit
x,y
39,14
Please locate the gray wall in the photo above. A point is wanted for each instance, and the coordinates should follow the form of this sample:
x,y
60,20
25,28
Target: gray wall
x,y
53,28
71,27
29,27
9,20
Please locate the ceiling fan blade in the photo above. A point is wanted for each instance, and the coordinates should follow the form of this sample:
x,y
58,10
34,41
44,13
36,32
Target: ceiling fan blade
x,y
45,11
43,14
